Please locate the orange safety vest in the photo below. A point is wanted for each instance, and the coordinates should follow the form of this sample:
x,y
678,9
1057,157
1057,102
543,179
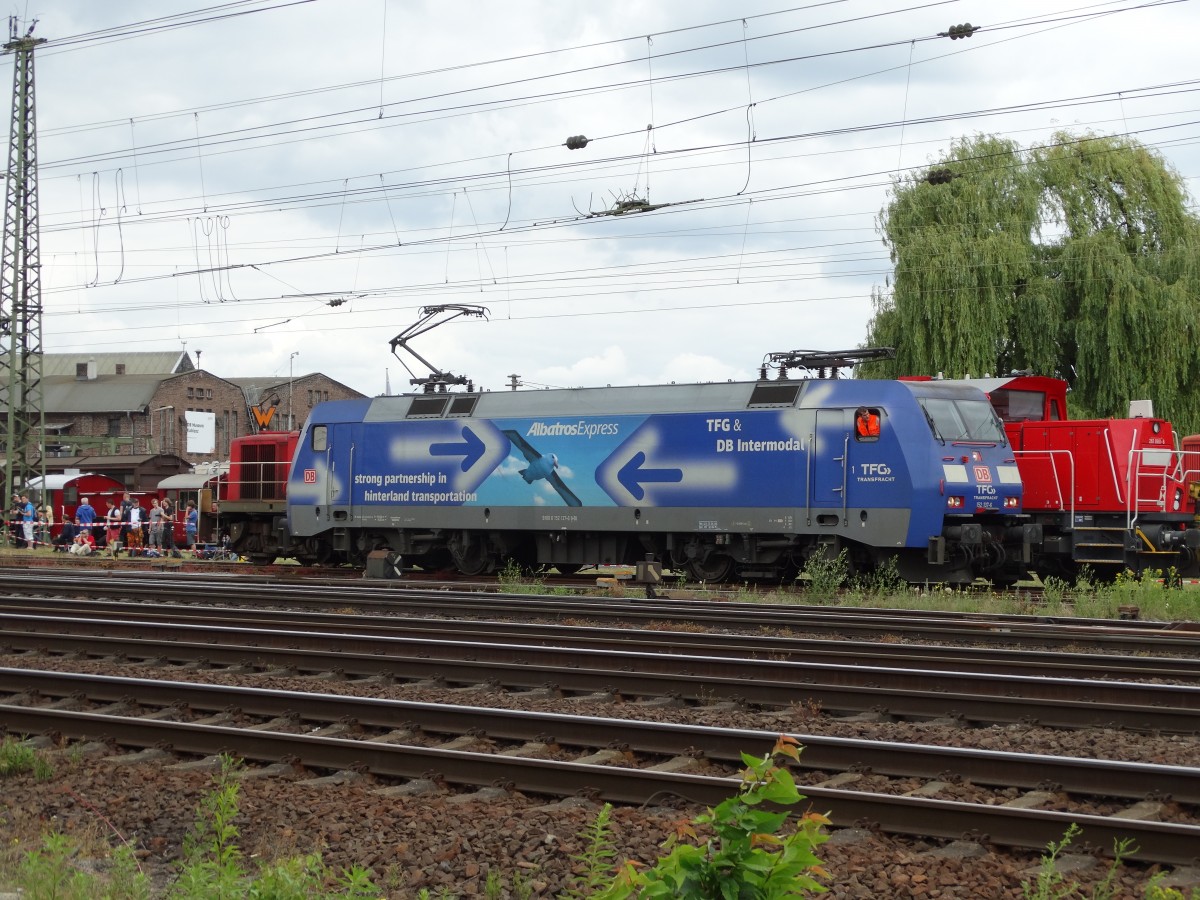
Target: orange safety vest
x,y
868,425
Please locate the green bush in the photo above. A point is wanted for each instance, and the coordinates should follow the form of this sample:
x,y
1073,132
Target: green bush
x,y
824,573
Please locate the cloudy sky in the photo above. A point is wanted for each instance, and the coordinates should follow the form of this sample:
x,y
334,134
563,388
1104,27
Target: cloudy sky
x,y
285,186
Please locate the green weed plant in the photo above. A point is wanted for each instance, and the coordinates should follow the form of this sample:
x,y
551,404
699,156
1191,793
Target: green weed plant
x,y
746,856
18,757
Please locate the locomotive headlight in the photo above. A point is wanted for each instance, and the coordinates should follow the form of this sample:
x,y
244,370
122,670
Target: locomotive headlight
x,y
1011,502
954,503
1178,498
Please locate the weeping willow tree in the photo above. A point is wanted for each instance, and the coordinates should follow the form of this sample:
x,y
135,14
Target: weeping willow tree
x,y
1078,258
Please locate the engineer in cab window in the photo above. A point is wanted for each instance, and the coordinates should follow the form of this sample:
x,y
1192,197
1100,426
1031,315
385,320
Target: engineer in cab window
x,y
866,424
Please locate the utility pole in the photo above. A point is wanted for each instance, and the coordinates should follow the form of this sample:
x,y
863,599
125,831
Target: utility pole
x,y
290,358
21,282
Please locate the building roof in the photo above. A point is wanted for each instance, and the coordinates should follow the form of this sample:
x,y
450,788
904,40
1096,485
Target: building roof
x,y
189,481
120,461
108,393
170,362
256,388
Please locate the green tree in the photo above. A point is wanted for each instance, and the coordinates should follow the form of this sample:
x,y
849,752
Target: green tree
x,y
1078,258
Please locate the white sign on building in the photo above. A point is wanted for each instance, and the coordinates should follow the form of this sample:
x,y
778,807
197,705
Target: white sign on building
x,y
201,431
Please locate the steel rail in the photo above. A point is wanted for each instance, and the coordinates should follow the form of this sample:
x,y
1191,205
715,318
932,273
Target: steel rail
x,y
839,652
908,693
339,646
1023,630
1023,770
1155,841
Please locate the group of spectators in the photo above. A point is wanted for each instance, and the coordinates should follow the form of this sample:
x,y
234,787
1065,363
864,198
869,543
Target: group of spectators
x,y
124,526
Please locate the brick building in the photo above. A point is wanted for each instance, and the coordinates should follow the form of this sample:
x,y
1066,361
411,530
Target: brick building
x,y
124,403
293,400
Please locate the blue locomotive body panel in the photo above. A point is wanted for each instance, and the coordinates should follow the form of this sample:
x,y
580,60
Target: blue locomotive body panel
x,y
687,458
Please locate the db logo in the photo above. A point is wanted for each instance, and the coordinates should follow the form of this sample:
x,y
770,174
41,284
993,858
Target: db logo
x,y
983,474
310,476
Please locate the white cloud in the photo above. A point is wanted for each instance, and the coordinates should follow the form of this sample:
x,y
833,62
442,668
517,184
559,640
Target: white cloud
x,y
771,248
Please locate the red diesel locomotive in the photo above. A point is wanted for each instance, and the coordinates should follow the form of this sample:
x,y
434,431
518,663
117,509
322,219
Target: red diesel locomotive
x,y
1108,494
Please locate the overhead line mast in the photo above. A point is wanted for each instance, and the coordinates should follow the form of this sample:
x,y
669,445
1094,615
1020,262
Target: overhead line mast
x,y
21,282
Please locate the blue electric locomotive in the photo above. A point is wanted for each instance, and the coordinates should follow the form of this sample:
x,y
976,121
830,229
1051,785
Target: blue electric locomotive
x,y
721,481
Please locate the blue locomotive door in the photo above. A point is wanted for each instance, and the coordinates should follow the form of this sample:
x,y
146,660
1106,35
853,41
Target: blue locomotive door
x,y
340,456
829,453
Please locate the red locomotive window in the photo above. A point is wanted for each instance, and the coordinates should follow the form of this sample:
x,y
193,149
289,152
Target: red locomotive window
x,y
1019,406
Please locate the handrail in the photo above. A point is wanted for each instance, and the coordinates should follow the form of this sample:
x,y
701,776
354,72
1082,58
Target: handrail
x,y
1112,467
1058,486
1175,460
808,480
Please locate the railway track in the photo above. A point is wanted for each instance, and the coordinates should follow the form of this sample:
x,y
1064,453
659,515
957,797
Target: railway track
x,y
910,692
449,745
1179,670
392,598
176,632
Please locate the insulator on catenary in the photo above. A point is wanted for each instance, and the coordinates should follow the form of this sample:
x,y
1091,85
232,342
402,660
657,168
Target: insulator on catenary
x,y
959,31
939,176
576,142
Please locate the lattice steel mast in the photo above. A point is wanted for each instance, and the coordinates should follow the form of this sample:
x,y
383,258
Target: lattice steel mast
x,y
20,281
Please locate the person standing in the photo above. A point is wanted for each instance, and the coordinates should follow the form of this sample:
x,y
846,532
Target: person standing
x,y
85,514
28,518
45,525
156,524
168,525
191,523
112,535
13,522
135,519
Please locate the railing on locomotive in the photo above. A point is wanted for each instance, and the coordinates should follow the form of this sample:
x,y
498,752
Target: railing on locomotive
x,y
260,480
1053,468
1166,473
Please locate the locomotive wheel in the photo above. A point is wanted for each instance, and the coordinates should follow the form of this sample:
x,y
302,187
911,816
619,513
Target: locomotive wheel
x,y
473,558
715,567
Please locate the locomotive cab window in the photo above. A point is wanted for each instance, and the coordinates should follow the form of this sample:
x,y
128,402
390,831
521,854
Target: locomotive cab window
x,y
962,420
1019,406
866,423
320,437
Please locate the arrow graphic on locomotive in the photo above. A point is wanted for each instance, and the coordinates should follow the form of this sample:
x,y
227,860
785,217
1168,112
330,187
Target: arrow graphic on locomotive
x,y
471,448
698,460
632,476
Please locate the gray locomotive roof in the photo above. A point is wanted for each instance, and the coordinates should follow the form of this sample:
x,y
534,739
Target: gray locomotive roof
x,y
624,400
647,399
